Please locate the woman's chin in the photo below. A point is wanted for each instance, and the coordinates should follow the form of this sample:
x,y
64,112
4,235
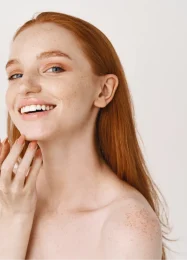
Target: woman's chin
x,y
44,136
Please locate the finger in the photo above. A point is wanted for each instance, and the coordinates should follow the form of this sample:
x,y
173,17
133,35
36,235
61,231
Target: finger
x,y
23,167
30,181
9,162
5,149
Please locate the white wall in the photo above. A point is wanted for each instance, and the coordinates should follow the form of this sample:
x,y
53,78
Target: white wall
x,y
151,38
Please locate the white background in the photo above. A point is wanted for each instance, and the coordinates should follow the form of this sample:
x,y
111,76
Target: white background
x,y
150,37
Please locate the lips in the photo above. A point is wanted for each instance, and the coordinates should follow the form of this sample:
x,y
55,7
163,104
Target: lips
x,y
36,115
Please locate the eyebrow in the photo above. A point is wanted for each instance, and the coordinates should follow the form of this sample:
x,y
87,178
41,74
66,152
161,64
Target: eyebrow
x,y
42,55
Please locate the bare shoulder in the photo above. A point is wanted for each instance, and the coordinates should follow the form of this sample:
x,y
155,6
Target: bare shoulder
x,y
132,230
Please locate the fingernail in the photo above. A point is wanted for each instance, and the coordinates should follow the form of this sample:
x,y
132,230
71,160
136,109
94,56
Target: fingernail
x,y
33,145
21,139
38,153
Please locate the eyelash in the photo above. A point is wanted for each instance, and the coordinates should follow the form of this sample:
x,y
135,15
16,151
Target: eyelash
x,y
10,78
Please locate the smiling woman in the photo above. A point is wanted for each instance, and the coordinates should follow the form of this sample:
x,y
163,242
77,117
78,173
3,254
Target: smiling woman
x,y
95,197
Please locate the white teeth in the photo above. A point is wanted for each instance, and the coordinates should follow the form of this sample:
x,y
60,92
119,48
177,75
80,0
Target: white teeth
x,y
32,108
35,108
38,107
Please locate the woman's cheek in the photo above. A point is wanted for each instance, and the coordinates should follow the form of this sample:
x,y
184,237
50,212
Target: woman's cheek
x,y
11,103
8,99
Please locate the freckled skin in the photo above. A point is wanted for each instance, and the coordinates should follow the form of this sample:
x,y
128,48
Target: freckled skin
x,y
140,220
133,226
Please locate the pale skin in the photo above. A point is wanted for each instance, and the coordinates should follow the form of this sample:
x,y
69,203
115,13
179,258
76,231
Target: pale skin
x,y
79,198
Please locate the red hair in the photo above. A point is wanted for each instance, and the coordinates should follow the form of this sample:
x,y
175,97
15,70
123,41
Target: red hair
x,y
116,134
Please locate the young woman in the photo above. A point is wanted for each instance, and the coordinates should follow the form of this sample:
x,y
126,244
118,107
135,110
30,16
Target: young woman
x,y
86,192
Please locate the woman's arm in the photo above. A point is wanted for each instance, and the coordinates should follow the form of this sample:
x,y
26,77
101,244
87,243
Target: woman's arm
x,y
18,197
14,237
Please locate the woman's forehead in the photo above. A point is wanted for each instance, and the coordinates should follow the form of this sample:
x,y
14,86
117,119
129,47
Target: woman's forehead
x,y
41,35
45,37
33,41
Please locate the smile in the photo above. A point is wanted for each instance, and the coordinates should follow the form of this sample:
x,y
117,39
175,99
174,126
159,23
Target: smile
x,y
35,114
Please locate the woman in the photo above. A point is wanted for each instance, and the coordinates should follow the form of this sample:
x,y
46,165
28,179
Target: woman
x,y
86,193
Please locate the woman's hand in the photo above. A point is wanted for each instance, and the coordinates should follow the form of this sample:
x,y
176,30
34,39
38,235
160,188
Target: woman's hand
x,y
18,195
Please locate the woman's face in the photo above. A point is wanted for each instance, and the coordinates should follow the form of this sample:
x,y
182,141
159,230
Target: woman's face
x,y
70,85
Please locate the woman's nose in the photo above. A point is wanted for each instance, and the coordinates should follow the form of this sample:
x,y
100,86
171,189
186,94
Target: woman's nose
x,y
29,85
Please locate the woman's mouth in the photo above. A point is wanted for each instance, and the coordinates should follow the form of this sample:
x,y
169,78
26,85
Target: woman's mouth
x,y
33,115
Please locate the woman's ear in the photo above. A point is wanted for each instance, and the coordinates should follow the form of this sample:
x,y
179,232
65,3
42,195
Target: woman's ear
x,y
107,89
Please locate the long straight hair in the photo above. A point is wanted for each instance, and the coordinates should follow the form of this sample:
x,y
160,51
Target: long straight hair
x,y
116,134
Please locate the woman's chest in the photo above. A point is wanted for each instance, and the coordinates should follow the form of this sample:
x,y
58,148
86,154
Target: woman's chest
x,y
66,238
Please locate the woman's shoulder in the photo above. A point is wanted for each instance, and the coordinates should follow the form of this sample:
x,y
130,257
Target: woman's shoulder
x,y
130,204
131,207
131,222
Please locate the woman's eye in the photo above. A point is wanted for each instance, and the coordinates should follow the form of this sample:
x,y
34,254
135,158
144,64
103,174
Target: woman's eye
x,y
12,77
54,69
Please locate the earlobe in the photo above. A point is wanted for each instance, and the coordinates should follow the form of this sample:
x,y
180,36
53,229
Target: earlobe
x,y
107,90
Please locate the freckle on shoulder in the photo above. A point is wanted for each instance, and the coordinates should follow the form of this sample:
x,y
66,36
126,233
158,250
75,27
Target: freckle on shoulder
x,y
133,214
